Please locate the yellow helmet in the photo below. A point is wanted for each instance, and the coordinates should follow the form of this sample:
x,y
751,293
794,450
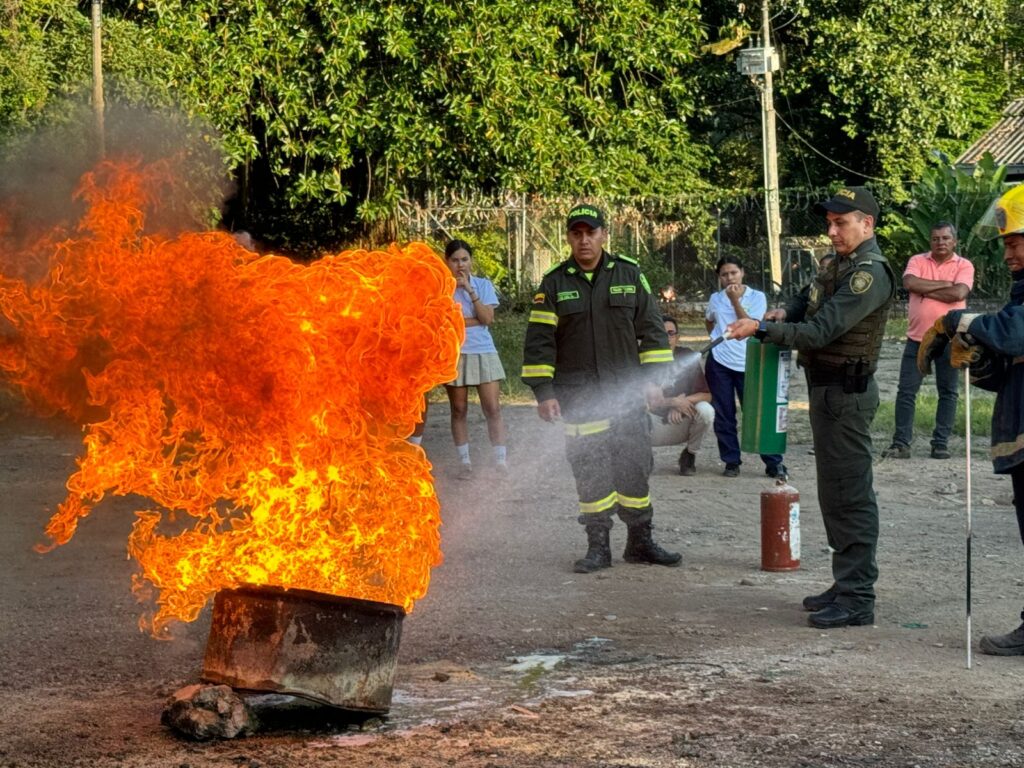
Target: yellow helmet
x,y
1004,217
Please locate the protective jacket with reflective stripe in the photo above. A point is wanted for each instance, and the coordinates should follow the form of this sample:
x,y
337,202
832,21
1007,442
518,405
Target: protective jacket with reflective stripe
x,y
593,343
1002,332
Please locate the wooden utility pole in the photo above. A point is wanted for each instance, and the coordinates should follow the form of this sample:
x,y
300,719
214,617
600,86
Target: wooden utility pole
x,y
771,166
97,74
762,61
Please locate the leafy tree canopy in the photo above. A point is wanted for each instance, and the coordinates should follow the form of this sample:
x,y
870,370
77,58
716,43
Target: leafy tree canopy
x,y
874,85
331,109
46,53
352,103
945,193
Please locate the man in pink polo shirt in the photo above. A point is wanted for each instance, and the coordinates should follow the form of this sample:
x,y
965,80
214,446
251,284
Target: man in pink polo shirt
x,y
938,281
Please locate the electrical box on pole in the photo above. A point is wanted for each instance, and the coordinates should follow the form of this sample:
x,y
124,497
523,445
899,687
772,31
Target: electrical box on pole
x,y
758,61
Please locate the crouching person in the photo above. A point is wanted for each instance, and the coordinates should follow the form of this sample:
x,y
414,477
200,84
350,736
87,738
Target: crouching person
x,y
681,413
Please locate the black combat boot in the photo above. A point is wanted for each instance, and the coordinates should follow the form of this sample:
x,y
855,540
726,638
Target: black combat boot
x,y
599,552
687,463
640,547
1010,644
823,600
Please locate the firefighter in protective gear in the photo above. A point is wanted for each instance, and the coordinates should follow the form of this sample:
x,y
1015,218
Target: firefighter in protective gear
x,y
996,341
837,324
595,343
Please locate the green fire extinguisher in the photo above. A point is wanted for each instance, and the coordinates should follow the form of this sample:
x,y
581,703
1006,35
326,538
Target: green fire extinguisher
x,y
765,398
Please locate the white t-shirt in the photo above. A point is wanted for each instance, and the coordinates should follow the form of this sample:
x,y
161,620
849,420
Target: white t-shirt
x,y
733,352
478,337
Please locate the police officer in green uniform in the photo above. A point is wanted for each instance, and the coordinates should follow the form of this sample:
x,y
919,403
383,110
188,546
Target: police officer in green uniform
x,y
837,324
595,343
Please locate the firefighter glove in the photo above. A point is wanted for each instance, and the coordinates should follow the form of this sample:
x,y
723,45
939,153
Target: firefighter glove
x,y
963,352
949,322
933,344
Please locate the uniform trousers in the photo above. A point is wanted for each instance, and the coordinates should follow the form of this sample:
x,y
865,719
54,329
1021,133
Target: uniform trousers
x,y
841,429
611,461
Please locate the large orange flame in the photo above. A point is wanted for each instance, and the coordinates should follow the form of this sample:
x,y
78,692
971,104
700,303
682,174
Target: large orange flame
x,y
260,405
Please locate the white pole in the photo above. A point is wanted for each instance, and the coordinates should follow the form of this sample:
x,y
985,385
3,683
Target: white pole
x,y
967,437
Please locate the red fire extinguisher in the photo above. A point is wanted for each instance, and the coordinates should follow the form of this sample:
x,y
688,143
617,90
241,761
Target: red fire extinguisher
x,y
780,528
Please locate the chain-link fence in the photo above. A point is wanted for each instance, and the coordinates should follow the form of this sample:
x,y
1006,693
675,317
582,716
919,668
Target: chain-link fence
x,y
516,237
678,242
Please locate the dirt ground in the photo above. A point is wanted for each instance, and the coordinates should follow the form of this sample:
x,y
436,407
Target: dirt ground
x,y
514,660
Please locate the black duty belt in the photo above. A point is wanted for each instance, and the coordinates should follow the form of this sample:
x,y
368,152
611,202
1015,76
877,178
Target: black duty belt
x,y
825,377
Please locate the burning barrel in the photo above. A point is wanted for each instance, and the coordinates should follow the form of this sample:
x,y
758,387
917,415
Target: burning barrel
x,y
259,406
333,650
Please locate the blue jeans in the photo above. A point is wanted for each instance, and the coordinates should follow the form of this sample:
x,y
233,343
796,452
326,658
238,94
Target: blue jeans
x,y
726,385
947,381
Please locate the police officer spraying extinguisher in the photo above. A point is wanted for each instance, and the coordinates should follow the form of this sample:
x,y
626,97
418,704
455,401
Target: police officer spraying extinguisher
x,y
837,324
595,345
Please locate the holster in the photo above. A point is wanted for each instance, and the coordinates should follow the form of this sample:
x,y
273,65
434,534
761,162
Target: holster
x,y
856,374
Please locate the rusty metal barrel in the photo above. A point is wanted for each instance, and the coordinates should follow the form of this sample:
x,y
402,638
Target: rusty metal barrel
x,y
334,650
780,528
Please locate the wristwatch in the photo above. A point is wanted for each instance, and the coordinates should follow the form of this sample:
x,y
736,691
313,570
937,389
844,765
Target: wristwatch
x,y
762,330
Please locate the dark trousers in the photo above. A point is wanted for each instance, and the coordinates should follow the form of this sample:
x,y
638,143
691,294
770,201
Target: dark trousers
x,y
947,382
726,385
841,428
611,468
1017,475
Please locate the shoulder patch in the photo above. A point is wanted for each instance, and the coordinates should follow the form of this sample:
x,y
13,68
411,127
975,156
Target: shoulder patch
x,y
620,257
553,267
861,281
538,298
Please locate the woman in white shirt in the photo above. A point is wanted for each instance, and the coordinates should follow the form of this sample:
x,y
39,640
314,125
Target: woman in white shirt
x,y
479,364
727,361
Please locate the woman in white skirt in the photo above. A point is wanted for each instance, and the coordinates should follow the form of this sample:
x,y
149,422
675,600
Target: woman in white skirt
x,y
479,364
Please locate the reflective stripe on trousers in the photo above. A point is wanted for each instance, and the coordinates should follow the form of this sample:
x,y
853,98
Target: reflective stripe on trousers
x,y
611,461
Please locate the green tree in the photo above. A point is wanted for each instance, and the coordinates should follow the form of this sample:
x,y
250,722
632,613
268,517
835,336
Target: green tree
x,y
901,76
945,193
873,85
335,108
46,56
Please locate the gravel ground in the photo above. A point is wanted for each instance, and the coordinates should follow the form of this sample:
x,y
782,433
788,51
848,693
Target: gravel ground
x,y
513,660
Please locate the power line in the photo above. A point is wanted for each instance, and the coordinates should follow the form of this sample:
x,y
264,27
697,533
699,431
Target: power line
x,y
823,155
803,157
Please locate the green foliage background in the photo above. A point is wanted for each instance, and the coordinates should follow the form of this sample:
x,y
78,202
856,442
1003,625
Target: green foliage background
x,y
945,193
331,110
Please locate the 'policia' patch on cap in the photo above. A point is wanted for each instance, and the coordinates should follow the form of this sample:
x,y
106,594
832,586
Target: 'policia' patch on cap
x,y
861,281
851,199
587,214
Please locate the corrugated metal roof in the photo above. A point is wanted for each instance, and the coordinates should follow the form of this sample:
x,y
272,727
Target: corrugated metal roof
x,y
1005,139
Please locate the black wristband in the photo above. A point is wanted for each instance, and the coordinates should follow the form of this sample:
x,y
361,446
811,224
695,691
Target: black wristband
x,y
762,331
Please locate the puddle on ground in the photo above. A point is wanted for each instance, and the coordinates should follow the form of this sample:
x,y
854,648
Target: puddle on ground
x,y
514,688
